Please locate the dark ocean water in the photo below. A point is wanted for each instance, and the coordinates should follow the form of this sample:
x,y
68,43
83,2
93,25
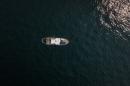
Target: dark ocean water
x,y
94,57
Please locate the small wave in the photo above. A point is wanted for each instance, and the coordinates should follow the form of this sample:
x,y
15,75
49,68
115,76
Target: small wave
x,y
115,15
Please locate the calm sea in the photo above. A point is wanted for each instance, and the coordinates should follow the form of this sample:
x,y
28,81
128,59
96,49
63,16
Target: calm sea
x,y
94,56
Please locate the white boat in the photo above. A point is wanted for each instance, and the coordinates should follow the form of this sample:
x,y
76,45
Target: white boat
x,y
55,41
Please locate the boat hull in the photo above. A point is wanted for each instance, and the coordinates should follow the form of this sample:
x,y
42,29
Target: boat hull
x,y
55,41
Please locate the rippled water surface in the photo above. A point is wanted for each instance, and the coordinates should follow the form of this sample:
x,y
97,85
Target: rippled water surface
x,y
99,49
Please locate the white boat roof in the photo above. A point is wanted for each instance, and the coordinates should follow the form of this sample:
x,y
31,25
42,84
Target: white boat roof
x,y
56,41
